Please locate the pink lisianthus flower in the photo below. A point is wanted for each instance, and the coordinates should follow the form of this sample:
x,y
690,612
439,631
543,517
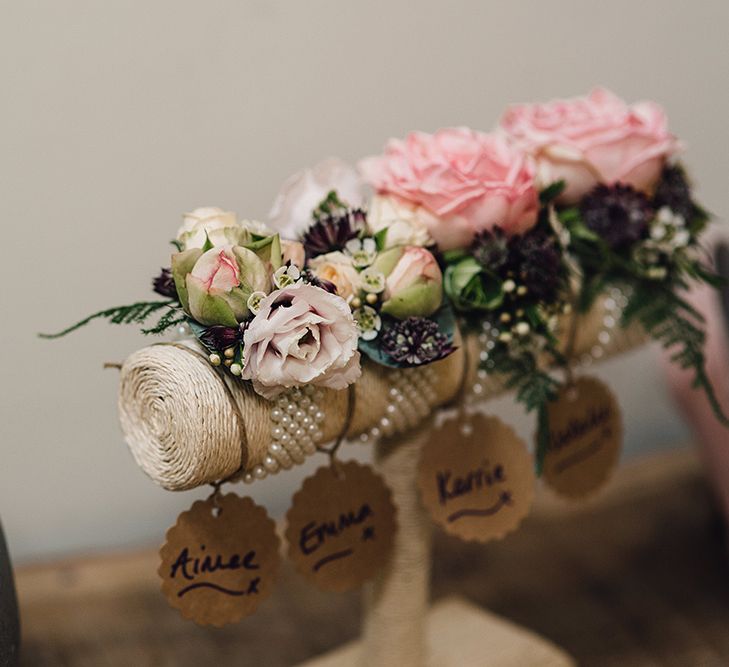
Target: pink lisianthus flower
x,y
301,335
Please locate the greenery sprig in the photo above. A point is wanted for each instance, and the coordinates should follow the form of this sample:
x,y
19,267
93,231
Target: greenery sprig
x,y
136,313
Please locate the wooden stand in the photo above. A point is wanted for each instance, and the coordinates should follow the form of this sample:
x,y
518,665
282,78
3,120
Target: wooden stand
x,y
399,629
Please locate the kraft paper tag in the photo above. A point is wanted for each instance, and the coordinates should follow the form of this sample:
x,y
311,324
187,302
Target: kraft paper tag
x,y
585,437
341,526
478,486
219,560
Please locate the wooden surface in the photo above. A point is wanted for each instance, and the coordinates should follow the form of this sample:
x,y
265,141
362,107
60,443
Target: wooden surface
x,y
459,633
638,576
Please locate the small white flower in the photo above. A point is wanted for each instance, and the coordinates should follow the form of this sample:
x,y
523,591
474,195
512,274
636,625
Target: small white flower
x,y
363,251
664,215
373,281
657,272
658,231
368,322
285,276
254,301
681,238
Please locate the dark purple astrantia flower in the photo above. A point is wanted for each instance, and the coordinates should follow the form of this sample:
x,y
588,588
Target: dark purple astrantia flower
x,y
536,260
309,277
673,190
533,259
415,341
220,338
164,285
491,250
331,232
618,214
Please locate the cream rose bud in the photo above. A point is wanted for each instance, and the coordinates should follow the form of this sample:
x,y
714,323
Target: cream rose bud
x,y
338,269
301,335
406,223
214,286
211,222
414,283
591,140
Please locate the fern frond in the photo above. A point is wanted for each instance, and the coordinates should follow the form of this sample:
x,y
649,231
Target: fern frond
x,y
131,314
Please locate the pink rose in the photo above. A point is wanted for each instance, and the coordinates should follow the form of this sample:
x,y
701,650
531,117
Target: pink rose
x,y
291,213
597,139
466,180
301,335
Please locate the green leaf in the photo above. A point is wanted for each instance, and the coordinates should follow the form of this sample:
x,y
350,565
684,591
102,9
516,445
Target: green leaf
x,y
208,245
268,249
455,255
381,239
678,326
551,192
182,264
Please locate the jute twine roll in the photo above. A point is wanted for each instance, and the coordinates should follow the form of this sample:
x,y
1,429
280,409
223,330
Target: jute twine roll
x,y
188,424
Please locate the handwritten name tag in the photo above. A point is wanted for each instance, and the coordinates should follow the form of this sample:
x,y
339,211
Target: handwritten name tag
x,y
341,526
478,486
585,437
219,560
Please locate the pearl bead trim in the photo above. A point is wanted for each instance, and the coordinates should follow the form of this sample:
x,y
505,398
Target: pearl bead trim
x,y
295,431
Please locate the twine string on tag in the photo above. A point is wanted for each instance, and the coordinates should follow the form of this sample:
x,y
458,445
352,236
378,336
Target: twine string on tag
x,y
569,350
332,451
215,497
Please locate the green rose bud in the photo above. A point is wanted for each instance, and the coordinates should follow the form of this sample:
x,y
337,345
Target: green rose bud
x,y
413,284
470,287
214,286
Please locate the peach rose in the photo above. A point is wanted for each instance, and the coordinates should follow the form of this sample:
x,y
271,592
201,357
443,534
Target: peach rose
x,y
593,139
468,181
337,268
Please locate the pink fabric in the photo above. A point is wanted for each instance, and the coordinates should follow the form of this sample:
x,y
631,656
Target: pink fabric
x,y
713,437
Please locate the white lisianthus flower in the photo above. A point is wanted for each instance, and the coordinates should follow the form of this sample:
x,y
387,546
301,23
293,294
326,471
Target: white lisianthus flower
x,y
404,222
220,226
291,213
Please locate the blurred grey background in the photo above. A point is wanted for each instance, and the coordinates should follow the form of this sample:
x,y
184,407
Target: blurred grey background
x,y
117,116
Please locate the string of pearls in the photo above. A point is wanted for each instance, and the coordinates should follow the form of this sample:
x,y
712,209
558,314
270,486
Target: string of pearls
x,y
410,399
613,305
295,431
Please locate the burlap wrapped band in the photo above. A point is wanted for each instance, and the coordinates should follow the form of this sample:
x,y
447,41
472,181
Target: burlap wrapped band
x,y
188,425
